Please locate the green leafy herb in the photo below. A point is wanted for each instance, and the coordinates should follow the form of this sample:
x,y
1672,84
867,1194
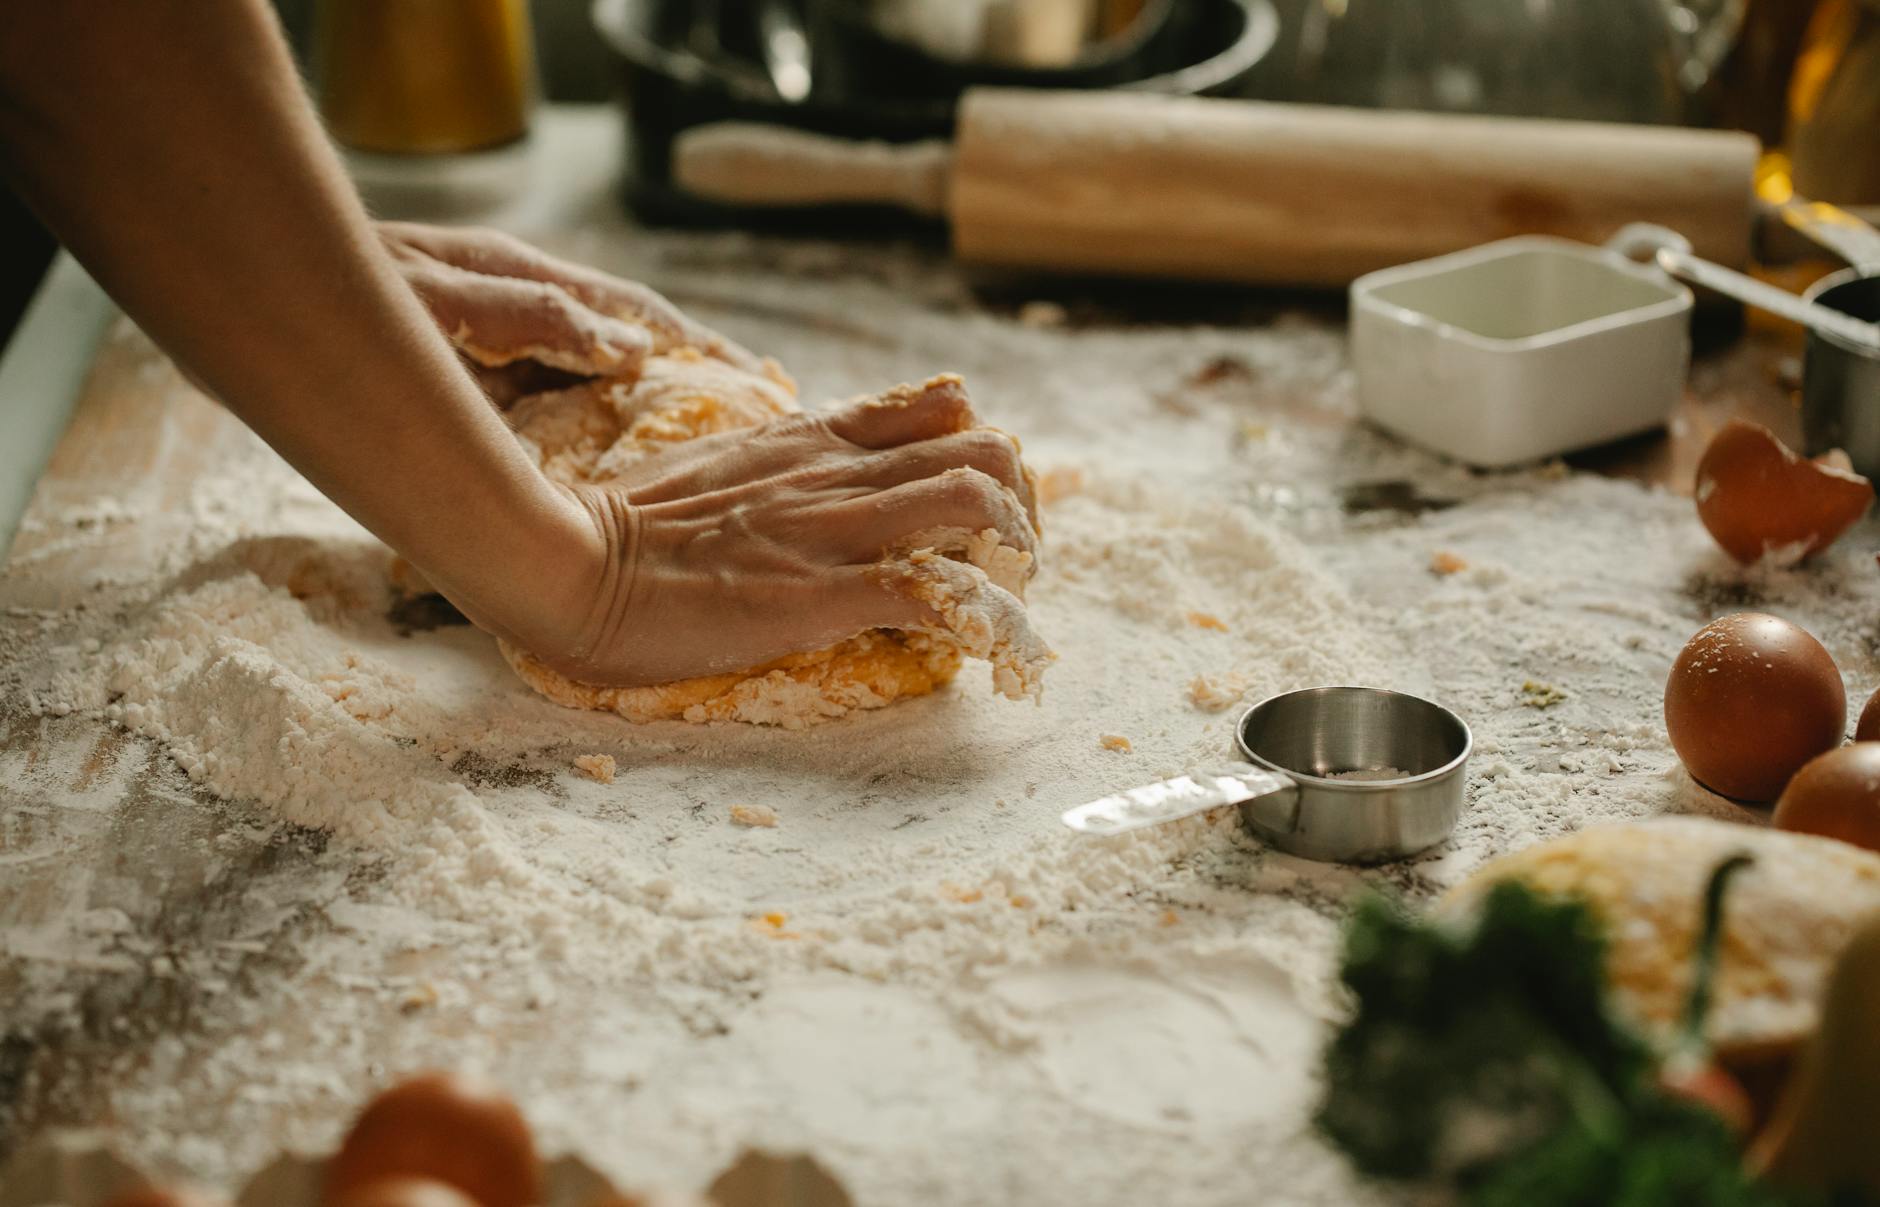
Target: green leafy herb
x,y
1487,1059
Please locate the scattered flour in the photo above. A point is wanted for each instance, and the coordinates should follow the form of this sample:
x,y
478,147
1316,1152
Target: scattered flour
x,y
272,846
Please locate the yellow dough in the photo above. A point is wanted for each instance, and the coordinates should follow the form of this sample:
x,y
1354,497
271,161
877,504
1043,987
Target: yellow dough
x,y
1785,918
593,432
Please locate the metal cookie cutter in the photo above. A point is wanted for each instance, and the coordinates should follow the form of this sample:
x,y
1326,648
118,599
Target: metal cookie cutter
x,y
1343,774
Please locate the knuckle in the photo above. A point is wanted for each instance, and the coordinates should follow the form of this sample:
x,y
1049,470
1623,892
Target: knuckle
x,y
816,429
992,451
496,240
426,275
974,489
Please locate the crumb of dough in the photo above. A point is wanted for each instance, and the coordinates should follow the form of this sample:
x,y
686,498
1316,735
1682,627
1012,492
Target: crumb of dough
x,y
774,926
1540,696
1207,620
754,816
960,895
1043,315
1169,918
1445,563
1212,693
1057,483
1116,742
597,767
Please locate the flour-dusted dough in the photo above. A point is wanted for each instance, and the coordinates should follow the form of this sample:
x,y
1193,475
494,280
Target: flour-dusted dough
x,y
595,431
1785,919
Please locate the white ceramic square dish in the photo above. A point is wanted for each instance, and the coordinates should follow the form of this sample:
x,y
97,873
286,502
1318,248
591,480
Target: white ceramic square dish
x,y
1520,349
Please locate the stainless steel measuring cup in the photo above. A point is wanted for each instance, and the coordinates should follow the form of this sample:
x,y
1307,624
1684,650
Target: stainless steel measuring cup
x,y
1841,313
1841,378
1343,774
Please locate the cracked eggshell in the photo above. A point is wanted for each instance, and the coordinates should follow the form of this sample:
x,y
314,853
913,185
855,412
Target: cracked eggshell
x,y
1750,699
1762,501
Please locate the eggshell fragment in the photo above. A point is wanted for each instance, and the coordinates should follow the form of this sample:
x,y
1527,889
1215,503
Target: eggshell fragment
x,y
1763,502
1867,729
1750,699
441,1127
1836,796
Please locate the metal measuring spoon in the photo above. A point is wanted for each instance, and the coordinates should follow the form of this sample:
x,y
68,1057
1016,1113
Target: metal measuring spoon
x,y
1672,253
1343,774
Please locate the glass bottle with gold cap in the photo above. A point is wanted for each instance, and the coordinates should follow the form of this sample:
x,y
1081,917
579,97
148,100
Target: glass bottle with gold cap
x,y
424,76
1834,105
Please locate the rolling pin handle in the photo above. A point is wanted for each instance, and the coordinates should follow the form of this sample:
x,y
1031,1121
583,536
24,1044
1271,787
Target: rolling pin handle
x,y
753,164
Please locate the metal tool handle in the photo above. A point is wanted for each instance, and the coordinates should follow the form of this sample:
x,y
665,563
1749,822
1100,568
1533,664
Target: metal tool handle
x,y
1763,296
1186,795
1672,253
1835,229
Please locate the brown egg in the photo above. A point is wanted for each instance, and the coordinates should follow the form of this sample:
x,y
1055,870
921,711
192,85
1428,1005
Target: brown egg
x,y
1836,796
1867,729
151,1196
444,1127
405,1192
1760,500
1750,699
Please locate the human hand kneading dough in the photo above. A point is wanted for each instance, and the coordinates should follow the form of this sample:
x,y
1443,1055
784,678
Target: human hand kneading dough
x,y
521,316
746,545
732,550
198,188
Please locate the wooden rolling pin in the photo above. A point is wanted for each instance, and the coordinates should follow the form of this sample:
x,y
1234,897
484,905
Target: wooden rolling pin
x,y
1132,183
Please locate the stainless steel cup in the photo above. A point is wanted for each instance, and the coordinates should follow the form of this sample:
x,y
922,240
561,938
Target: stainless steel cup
x,y
1841,379
1369,775
1345,774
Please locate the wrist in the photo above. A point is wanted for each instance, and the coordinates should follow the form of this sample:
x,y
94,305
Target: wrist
x,y
531,575
592,621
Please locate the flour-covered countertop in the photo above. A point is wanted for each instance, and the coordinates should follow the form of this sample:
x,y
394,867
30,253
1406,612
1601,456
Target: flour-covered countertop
x,y
264,845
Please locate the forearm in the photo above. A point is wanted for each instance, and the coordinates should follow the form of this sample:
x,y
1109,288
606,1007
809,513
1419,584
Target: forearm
x,y
167,143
